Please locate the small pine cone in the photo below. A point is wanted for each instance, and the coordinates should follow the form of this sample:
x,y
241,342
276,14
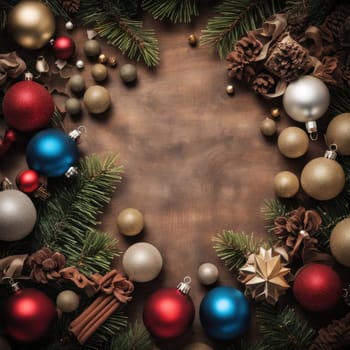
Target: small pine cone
x,y
288,60
250,47
263,83
334,336
71,6
236,67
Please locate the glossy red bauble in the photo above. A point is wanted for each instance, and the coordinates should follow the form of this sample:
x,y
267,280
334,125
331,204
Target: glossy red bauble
x,y
63,47
27,106
317,287
28,315
168,313
28,181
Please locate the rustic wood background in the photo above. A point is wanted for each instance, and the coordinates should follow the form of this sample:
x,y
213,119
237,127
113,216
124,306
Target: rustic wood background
x,y
195,160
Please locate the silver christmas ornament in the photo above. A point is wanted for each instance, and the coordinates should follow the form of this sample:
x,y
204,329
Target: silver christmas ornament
x,y
307,100
80,64
208,273
69,25
17,215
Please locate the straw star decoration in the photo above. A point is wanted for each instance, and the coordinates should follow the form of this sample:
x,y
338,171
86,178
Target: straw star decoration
x,y
265,276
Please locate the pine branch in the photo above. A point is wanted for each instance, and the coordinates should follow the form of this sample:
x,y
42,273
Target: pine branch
x,y
3,15
126,34
319,9
234,247
135,337
177,11
67,219
57,8
283,330
235,19
340,101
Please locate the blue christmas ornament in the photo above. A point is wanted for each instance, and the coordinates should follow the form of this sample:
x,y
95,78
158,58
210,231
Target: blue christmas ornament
x,y
51,152
224,313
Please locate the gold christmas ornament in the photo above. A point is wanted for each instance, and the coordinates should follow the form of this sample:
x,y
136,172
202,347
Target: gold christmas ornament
x,y
293,142
268,127
286,184
340,242
112,61
192,40
31,24
130,222
275,112
230,89
99,72
306,100
67,301
265,276
102,58
97,99
338,133
208,273
323,178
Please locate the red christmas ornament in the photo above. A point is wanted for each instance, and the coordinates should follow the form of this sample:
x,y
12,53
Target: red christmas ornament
x,y
28,314
27,106
317,287
169,313
63,47
28,181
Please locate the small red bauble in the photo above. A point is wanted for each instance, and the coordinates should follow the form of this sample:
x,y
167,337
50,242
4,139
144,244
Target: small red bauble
x,y
28,315
27,106
168,313
63,47
317,287
28,181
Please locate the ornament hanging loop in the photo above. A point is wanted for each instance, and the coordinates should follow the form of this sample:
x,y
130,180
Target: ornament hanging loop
x,y
331,152
311,128
76,133
185,286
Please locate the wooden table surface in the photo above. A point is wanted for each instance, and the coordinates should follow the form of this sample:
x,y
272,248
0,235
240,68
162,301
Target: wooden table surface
x,y
195,160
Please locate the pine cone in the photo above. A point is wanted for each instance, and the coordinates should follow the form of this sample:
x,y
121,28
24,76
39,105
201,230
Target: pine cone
x,y
250,47
45,265
263,83
288,60
71,6
235,69
334,336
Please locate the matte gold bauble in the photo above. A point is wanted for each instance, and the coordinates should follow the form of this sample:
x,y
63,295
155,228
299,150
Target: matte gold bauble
x,y
67,301
275,112
99,72
92,48
208,273
286,184
339,242
293,142
338,133
268,127
322,178
31,24
97,99
130,222
192,40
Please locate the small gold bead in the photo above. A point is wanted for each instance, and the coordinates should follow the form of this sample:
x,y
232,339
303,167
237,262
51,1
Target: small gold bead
x,y
275,112
230,89
102,58
192,40
112,61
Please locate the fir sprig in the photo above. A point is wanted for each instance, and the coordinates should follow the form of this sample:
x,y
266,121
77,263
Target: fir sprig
x,y
57,8
177,11
126,34
134,337
234,247
340,101
283,330
235,18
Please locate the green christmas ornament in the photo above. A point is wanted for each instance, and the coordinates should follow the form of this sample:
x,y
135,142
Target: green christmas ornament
x,y
92,48
99,72
128,73
76,83
73,106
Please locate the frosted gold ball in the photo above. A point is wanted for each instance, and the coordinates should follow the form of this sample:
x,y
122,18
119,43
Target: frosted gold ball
x,y
97,99
192,40
112,61
338,133
322,179
130,222
99,72
32,24
73,106
293,142
275,112
208,273
268,127
76,83
142,262
306,99
92,48
339,242
286,184
67,301
128,73
102,58
230,89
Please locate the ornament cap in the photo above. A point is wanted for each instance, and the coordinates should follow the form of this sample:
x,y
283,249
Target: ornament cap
x,y
28,76
75,134
331,152
311,127
185,286
15,286
72,171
